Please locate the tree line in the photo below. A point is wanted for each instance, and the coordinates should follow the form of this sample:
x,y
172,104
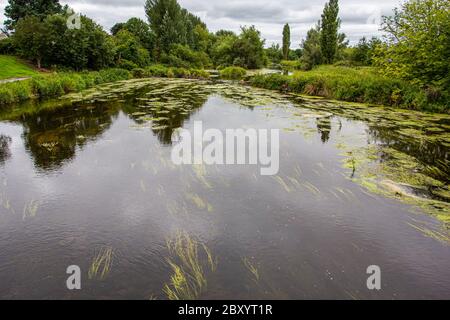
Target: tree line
x,y
416,46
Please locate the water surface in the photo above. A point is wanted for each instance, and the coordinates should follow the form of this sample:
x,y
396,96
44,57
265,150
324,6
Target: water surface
x,y
96,175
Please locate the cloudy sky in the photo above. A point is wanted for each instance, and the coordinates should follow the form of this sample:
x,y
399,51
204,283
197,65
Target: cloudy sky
x,y
359,17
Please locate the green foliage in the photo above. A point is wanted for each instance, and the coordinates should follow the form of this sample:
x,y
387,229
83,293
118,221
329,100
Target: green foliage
x,y
129,51
290,65
246,50
172,25
233,73
19,9
329,36
51,42
356,85
286,41
312,52
274,53
30,38
364,51
182,56
51,86
139,29
7,46
418,44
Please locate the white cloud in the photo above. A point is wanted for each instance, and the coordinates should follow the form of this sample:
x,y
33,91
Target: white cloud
x,y
359,17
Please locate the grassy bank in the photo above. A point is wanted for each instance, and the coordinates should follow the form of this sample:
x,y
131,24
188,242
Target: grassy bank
x,y
11,67
58,84
362,85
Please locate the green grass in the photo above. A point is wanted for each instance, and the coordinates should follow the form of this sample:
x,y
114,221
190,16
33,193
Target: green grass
x,y
363,85
11,67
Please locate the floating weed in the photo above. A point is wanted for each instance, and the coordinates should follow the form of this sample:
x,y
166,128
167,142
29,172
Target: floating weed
x,y
189,267
282,183
30,209
101,264
431,233
200,173
199,202
252,269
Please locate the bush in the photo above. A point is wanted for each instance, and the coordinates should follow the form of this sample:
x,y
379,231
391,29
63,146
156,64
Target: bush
x,y
233,73
138,73
180,72
199,74
157,70
127,65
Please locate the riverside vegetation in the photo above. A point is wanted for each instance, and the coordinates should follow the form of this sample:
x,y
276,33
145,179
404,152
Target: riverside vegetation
x,y
407,69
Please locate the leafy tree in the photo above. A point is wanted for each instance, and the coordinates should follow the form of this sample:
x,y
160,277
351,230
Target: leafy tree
x,y
171,25
274,53
286,41
223,48
311,49
18,9
129,48
139,29
30,38
50,42
364,51
417,45
249,49
329,36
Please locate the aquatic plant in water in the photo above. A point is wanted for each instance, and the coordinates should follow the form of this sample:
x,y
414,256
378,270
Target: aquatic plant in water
x,y
101,264
189,261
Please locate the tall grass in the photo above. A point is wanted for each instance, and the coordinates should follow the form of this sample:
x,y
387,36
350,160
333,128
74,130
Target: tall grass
x,y
56,85
362,85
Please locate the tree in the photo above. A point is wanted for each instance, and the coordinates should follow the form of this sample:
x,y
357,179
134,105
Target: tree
x,y
31,39
171,24
311,49
274,53
138,28
249,49
51,42
129,48
364,51
18,9
329,36
417,46
286,41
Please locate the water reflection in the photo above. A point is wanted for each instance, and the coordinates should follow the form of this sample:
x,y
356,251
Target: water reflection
x,y
5,152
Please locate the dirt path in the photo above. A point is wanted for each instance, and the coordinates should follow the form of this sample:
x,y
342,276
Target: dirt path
x,y
13,80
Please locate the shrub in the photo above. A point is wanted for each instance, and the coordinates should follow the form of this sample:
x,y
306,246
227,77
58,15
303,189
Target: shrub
x,y
138,73
233,73
180,72
157,70
127,65
199,74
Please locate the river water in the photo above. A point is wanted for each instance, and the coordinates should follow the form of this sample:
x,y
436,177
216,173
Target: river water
x,y
89,181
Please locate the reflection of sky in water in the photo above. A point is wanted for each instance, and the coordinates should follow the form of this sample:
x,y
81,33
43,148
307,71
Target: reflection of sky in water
x,y
108,182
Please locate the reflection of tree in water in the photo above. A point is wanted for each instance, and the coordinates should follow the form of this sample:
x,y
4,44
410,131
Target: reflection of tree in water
x,y
51,137
428,153
324,128
176,107
5,153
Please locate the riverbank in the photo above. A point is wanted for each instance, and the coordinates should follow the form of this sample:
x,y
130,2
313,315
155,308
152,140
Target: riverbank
x,y
59,84
362,85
